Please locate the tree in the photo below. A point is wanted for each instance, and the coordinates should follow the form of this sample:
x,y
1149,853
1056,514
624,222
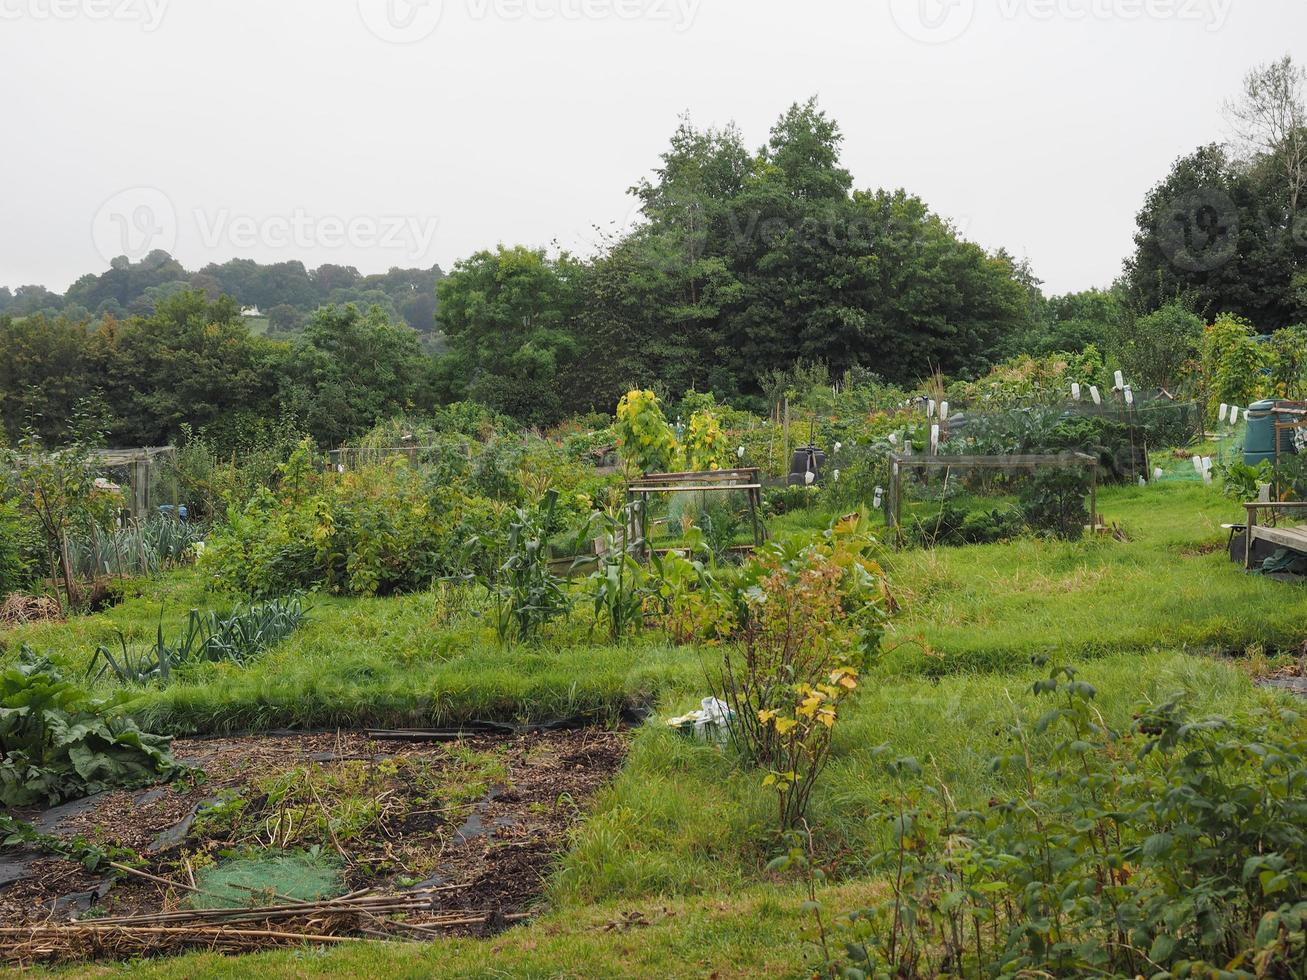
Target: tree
x,y
45,371
1271,120
1217,236
745,264
1155,350
350,369
192,361
57,489
1075,321
1233,362
508,315
1288,350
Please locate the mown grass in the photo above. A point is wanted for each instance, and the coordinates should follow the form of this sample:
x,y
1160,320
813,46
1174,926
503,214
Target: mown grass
x,y
1169,586
752,933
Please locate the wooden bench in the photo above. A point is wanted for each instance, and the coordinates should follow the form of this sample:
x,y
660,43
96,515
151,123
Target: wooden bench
x,y
1293,538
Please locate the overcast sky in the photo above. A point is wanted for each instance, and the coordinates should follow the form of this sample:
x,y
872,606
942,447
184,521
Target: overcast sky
x,y
378,133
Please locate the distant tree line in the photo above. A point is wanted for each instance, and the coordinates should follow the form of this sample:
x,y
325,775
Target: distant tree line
x,y
286,292
194,365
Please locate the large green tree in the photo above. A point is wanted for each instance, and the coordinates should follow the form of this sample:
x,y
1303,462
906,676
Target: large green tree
x,y
193,362
45,372
746,263
509,317
350,369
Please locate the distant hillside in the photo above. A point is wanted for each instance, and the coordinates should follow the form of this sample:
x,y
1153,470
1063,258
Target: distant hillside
x,y
285,292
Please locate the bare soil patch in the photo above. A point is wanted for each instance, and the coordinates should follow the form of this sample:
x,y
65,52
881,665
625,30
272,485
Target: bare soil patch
x,y
461,834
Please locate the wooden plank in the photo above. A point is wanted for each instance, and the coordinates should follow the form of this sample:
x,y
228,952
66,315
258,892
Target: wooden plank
x,y
744,472
1294,538
716,487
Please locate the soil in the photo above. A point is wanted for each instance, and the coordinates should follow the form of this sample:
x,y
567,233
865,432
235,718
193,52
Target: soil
x,y
489,851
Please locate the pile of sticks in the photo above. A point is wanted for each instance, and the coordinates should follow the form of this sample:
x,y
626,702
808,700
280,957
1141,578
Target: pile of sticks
x,y
357,917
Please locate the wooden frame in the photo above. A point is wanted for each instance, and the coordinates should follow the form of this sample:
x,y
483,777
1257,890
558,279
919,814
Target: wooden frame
x,y
1297,409
1061,461
1292,538
746,480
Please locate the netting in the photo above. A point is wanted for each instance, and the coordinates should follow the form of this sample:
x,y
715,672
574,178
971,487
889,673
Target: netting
x,y
957,499
246,881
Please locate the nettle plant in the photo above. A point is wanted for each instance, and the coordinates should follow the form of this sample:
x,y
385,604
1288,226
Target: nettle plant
x,y
1176,848
812,617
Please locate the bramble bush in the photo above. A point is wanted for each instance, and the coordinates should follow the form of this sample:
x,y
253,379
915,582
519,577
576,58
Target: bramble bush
x,y
379,530
1177,848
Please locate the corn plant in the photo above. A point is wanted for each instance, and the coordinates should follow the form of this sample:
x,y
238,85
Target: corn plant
x,y
527,594
618,585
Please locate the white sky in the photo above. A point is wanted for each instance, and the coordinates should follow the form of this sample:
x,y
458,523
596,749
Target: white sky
x,y
284,129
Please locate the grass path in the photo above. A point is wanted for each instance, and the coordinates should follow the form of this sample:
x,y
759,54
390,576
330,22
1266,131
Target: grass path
x,y
1169,586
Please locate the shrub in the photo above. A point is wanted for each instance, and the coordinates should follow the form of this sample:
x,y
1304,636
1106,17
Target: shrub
x,y
704,446
645,437
811,618
1232,362
379,530
17,544
1177,848
1054,503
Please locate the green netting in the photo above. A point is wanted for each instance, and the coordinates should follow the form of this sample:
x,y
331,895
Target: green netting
x,y
261,878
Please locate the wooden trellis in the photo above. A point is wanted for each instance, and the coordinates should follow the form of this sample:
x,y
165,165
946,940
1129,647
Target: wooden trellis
x,y
746,480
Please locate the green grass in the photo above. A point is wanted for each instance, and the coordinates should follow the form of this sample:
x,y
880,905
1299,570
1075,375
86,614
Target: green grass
x,y
1169,586
360,662
681,819
752,933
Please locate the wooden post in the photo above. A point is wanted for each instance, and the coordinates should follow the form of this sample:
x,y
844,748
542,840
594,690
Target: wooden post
x,y
785,450
753,516
1093,498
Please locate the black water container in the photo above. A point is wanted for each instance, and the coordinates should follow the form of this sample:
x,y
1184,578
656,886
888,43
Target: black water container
x,y
806,459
